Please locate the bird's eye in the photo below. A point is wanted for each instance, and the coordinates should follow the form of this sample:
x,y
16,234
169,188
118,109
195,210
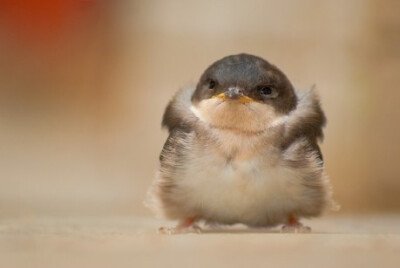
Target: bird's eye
x,y
265,91
211,84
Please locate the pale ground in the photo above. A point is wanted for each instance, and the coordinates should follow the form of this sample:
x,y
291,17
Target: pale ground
x,y
341,241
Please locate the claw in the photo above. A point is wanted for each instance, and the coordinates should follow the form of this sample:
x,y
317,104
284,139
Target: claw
x,y
295,229
177,230
294,226
184,227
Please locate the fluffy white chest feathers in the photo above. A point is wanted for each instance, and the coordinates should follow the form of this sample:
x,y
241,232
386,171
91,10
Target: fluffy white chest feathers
x,y
238,181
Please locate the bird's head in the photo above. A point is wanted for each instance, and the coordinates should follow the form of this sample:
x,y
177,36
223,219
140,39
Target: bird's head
x,y
243,93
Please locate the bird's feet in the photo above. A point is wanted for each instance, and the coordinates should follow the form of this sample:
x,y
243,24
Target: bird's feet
x,y
184,227
294,226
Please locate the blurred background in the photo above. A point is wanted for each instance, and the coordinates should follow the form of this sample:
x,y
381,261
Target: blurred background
x,y
83,85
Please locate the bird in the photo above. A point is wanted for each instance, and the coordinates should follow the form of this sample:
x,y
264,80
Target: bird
x,y
243,148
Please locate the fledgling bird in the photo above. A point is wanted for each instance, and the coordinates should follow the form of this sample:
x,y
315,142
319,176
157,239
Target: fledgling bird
x,y
242,148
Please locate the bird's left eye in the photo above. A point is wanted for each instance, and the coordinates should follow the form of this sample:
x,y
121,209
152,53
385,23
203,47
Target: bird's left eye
x,y
211,84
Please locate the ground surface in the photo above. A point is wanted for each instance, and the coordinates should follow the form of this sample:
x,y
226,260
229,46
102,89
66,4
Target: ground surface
x,y
346,241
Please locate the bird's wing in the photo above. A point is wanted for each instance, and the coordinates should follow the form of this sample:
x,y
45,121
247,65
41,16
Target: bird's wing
x,y
305,122
178,119
302,129
178,113
162,196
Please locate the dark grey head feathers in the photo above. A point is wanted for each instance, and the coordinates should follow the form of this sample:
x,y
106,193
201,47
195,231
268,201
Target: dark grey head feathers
x,y
253,76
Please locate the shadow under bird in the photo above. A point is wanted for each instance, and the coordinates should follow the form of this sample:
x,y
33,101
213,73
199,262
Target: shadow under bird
x,y
242,148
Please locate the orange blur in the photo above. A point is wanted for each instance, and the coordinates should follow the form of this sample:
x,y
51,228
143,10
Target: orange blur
x,y
39,18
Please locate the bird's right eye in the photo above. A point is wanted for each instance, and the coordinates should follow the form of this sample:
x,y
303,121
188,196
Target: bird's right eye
x,y
265,91
211,84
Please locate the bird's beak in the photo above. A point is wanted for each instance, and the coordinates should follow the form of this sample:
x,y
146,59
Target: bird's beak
x,y
234,93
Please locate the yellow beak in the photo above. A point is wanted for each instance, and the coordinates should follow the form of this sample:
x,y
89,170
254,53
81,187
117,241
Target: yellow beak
x,y
241,99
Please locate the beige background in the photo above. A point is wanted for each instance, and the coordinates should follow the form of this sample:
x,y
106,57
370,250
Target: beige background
x,y
80,108
83,85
